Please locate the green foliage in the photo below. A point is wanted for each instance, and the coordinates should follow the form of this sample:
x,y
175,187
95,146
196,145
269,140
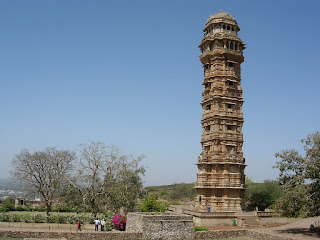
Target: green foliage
x,y
38,218
4,217
16,218
300,179
152,204
27,218
261,195
20,208
61,219
197,229
8,204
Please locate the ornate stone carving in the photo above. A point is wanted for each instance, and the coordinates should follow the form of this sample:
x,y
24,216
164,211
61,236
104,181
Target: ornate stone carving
x,y
220,177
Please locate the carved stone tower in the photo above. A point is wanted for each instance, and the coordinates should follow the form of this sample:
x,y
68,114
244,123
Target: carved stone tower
x,y
220,178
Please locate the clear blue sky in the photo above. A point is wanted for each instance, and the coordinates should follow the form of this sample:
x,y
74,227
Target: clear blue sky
x,y
127,73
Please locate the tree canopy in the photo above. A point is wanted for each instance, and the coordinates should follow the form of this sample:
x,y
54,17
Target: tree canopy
x,y
261,195
43,172
96,178
300,179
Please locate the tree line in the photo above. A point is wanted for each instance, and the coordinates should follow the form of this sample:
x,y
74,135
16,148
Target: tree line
x,y
99,178
95,177
296,193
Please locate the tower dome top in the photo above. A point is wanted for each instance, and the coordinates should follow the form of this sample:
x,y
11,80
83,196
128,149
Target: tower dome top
x,y
221,17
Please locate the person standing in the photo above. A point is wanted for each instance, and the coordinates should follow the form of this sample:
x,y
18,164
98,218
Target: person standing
x,y
78,226
103,223
96,225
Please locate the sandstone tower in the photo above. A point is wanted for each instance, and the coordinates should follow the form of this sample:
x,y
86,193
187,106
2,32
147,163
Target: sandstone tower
x,y
220,178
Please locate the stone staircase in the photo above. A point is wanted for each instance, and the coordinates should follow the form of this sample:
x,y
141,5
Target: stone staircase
x,y
250,221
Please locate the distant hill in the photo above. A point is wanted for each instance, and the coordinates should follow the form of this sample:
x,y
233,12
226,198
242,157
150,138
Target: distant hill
x,y
175,193
7,183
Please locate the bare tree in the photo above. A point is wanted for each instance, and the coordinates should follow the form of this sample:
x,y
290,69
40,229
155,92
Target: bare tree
x,y
107,179
93,160
43,172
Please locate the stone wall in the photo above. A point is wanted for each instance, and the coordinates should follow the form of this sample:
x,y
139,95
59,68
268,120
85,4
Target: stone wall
x,y
210,221
161,225
73,235
273,220
218,234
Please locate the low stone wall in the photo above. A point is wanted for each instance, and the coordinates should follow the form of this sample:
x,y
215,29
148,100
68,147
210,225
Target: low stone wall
x,y
218,234
161,225
73,235
273,220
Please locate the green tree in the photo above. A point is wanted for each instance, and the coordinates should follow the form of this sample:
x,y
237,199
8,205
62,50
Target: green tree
x,y
152,204
8,204
261,195
300,179
122,182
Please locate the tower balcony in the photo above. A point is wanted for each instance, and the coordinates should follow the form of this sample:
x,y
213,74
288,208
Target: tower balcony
x,y
218,94
237,55
221,113
235,137
221,73
219,185
223,177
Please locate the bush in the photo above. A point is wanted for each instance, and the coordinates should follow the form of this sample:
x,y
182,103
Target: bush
x,y
38,218
63,208
16,218
4,217
39,209
4,209
50,219
8,205
119,222
61,219
151,204
27,218
197,229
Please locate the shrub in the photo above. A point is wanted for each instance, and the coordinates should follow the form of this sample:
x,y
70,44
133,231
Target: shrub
x,y
61,219
4,217
63,208
38,218
27,218
50,219
4,209
201,229
8,205
39,209
152,204
20,208
119,222
16,217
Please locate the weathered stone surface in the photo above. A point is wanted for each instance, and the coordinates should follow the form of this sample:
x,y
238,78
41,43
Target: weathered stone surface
x,y
207,235
238,233
220,178
161,225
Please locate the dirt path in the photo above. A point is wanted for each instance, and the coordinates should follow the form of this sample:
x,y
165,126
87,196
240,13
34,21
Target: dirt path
x,y
44,227
298,229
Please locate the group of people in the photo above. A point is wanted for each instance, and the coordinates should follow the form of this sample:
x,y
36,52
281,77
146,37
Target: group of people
x,y
97,222
102,224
